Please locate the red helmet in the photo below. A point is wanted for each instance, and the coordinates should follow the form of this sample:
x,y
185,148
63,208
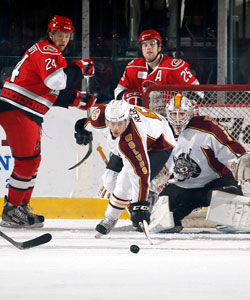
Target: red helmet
x,y
149,35
61,23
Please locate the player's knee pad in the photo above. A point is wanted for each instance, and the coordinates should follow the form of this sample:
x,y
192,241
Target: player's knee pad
x,y
27,167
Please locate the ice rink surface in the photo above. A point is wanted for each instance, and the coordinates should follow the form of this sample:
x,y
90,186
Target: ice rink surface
x,y
75,265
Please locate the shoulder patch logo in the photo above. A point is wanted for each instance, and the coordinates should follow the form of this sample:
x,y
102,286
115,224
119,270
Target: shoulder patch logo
x,y
95,114
50,48
176,62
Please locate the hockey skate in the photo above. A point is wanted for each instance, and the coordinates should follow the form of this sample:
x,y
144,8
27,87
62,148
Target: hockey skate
x,y
104,227
39,219
231,229
175,229
16,217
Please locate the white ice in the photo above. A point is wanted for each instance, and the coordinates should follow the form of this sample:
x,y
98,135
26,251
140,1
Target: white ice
x,y
75,265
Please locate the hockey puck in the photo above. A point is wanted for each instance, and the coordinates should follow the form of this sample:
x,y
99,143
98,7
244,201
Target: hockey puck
x,y
134,248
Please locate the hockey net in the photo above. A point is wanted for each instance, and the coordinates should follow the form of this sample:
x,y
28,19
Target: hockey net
x,y
227,104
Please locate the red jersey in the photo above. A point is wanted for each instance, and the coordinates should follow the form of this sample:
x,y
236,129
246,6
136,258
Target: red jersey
x,y
137,75
36,80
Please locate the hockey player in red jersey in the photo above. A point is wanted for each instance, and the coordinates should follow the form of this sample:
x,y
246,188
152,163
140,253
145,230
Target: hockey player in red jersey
x,y
40,80
142,141
153,67
201,161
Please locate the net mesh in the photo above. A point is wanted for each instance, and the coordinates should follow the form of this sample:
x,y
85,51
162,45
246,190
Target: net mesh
x,y
227,104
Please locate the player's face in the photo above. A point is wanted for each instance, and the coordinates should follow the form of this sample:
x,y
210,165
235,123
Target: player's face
x,y
150,50
60,39
117,128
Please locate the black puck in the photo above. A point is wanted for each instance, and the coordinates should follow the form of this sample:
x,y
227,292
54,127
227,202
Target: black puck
x,y
134,248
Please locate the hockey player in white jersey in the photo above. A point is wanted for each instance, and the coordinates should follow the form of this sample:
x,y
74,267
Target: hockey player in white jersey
x,y
143,141
200,162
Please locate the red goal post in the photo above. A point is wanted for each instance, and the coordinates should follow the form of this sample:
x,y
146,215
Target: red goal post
x,y
227,104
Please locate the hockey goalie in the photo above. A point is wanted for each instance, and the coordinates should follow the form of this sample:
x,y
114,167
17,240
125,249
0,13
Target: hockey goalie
x,y
207,166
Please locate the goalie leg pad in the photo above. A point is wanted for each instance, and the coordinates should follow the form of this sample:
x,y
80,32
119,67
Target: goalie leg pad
x,y
229,209
161,216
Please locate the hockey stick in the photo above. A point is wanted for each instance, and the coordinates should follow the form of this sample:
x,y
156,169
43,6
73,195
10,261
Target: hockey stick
x,y
87,154
40,240
103,156
144,226
90,144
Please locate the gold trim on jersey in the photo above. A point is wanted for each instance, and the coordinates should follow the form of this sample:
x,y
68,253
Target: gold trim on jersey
x,y
217,138
209,162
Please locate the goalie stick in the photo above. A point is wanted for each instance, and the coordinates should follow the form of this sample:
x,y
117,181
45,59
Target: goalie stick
x,y
40,240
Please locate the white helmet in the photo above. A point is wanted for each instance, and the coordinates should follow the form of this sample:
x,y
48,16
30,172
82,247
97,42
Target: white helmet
x,y
117,110
180,110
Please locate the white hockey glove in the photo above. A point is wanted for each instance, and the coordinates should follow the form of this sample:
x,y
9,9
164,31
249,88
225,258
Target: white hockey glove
x,y
241,167
103,194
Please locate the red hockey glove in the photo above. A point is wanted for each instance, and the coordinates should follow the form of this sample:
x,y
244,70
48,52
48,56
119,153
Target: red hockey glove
x,y
83,100
86,65
133,97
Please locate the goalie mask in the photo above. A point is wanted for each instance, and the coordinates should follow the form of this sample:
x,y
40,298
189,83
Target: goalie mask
x,y
117,110
180,110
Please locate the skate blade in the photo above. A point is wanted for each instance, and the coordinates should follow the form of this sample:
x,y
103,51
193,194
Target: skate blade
x,y
98,235
228,229
12,225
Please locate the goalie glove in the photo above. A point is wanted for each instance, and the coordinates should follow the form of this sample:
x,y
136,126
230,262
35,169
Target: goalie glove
x,y
83,100
82,136
133,97
139,211
241,167
86,66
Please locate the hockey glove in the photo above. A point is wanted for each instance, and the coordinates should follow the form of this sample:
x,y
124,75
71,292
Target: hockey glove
x,y
83,100
139,211
86,66
242,167
133,97
82,136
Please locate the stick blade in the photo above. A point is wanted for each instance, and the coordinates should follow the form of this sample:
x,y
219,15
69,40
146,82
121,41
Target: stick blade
x,y
40,240
144,226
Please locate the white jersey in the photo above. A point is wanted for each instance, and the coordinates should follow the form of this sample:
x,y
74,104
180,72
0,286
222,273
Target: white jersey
x,y
202,153
146,131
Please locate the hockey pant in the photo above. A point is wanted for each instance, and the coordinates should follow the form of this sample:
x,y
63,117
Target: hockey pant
x,y
24,138
116,180
183,201
115,165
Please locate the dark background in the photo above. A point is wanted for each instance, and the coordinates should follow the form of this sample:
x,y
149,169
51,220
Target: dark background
x,y
22,23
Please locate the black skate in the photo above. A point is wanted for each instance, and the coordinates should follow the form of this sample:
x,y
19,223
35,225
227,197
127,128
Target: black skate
x,y
104,227
16,217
